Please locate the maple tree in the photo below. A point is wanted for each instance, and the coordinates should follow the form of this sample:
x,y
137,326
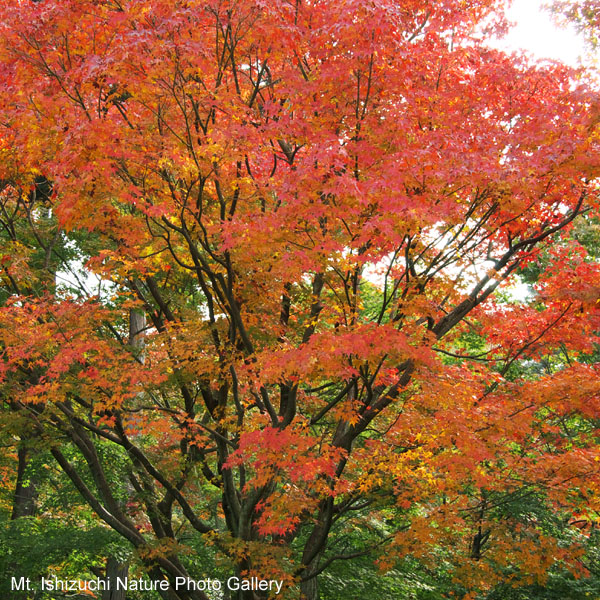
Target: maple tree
x,y
299,215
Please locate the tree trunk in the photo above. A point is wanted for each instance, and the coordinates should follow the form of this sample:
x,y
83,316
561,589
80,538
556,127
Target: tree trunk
x,y
115,569
137,328
25,489
309,589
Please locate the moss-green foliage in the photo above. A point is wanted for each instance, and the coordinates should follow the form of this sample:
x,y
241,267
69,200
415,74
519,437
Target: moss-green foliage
x,y
42,547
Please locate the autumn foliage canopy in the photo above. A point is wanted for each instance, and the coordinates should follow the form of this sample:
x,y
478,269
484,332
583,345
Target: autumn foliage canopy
x,y
255,270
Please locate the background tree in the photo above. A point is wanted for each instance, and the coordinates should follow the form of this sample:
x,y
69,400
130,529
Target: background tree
x,y
313,205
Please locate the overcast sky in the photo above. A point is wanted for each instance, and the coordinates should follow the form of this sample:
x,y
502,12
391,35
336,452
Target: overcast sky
x,y
536,33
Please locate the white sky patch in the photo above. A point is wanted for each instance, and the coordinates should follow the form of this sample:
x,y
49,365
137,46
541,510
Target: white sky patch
x,y
537,34
519,291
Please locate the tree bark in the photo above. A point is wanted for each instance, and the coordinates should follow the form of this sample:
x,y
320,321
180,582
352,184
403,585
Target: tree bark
x,y
115,569
25,489
137,328
309,588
